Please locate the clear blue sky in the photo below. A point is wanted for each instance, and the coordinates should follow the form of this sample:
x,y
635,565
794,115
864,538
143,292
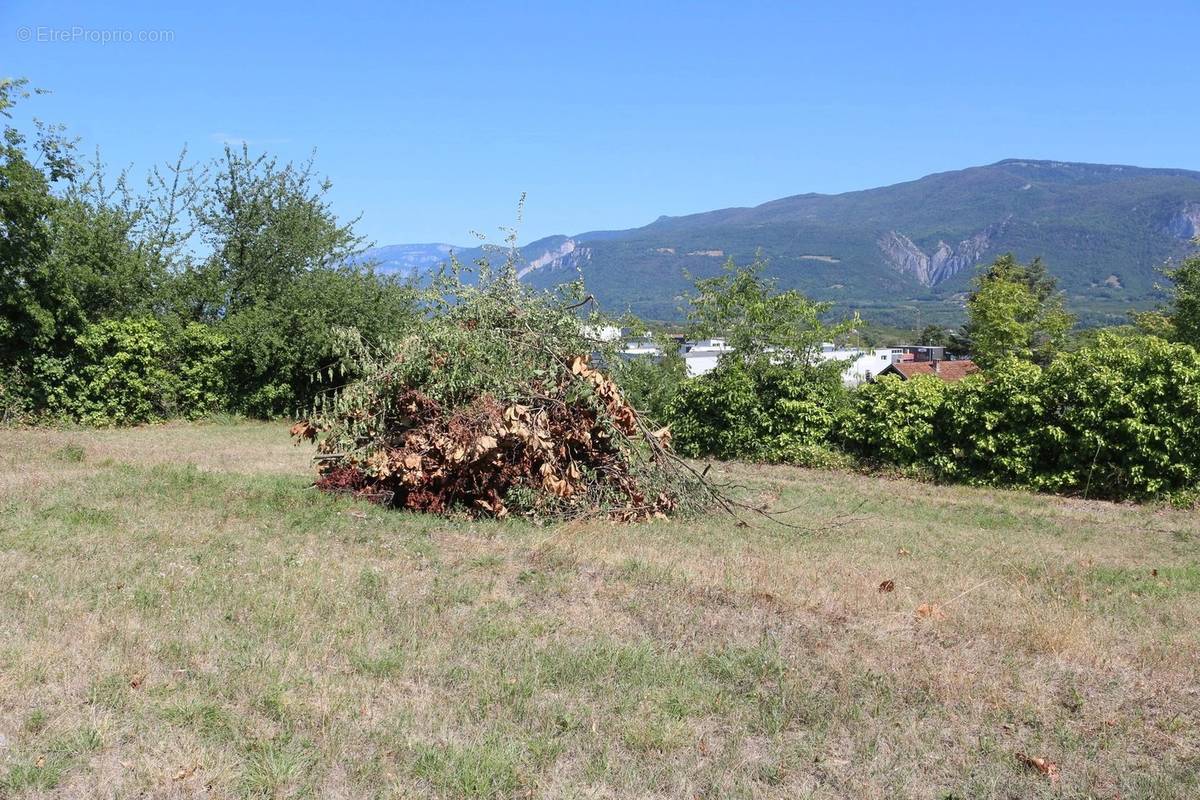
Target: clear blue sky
x,y
431,118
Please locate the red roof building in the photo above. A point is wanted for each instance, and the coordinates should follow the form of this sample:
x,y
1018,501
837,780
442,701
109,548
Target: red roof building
x,y
950,371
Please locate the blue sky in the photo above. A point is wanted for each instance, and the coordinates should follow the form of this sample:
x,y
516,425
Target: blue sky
x,y
432,118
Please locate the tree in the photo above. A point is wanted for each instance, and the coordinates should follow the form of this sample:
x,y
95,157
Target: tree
x,y
266,224
31,291
760,322
773,397
1016,310
278,347
1181,318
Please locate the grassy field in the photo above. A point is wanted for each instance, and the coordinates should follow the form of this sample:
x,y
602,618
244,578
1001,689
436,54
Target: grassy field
x,y
181,616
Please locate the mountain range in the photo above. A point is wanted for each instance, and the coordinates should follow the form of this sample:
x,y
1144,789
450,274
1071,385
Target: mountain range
x,y
895,252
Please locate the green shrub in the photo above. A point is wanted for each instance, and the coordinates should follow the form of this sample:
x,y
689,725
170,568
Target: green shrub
x,y
135,370
120,374
757,411
278,346
199,359
1119,418
651,384
998,429
1130,413
15,400
895,421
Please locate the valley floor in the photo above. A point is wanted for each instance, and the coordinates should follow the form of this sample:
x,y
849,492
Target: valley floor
x,y
181,616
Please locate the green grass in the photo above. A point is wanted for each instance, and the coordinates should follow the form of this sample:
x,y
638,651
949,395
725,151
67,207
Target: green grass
x,y
184,616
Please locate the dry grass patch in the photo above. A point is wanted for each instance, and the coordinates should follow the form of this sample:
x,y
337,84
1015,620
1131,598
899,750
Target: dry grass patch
x,y
184,617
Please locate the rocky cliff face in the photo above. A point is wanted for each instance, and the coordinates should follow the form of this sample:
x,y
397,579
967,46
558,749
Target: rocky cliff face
x,y
946,261
1185,224
569,255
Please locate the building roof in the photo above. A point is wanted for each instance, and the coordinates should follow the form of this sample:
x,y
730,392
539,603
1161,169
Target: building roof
x,y
946,370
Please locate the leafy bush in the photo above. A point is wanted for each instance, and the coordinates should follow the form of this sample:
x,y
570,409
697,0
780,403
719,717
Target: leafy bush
x,y
757,411
651,384
120,374
1129,409
135,370
1118,418
771,398
199,360
999,429
14,396
895,421
278,346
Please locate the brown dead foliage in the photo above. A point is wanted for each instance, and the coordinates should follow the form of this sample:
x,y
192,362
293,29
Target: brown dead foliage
x,y
572,450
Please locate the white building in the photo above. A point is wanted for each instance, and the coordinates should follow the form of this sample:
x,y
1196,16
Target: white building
x,y
640,347
861,365
702,356
601,333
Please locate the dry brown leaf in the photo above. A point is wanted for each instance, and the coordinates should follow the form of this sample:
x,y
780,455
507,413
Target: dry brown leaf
x,y
930,611
304,430
1043,765
186,772
887,586
41,762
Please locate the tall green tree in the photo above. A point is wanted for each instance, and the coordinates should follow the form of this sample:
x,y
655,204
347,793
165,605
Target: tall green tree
x,y
760,322
773,397
1180,320
31,290
265,224
1016,310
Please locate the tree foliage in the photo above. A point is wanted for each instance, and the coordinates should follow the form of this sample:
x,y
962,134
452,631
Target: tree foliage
x,y
772,397
1016,311
94,273
1181,319
761,323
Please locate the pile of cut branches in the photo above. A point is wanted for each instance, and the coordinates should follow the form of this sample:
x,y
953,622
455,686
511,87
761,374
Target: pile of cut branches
x,y
494,406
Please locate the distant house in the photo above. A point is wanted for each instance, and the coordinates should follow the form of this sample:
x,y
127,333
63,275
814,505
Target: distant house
x,y
702,356
860,366
950,371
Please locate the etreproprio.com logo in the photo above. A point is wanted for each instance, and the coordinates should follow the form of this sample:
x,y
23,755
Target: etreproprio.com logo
x,y
80,34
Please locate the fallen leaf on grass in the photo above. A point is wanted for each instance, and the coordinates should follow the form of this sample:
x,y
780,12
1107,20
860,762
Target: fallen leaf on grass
x,y
887,586
930,611
903,552
1043,765
186,772
41,762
